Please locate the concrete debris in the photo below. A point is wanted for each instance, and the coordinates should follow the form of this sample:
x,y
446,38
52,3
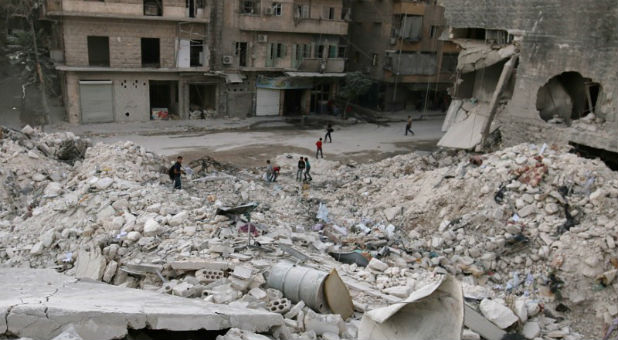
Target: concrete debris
x,y
529,231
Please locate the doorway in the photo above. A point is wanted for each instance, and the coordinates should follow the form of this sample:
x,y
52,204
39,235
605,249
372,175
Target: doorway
x,y
163,99
293,102
202,100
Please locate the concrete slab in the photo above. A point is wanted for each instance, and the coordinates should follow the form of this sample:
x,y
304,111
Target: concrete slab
x,y
40,304
466,134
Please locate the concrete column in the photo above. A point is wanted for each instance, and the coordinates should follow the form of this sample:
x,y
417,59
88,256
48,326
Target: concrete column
x,y
73,105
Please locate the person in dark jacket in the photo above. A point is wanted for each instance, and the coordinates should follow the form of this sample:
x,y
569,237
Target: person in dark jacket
x,y
177,170
301,169
329,130
307,170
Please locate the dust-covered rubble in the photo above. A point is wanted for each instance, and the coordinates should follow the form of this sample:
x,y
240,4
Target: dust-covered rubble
x,y
530,233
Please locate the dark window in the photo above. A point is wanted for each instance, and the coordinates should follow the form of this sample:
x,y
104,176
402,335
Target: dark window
x,y
320,51
435,30
276,6
341,52
98,51
153,7
240,50
248,7
150,52
331,13
197,53
332,51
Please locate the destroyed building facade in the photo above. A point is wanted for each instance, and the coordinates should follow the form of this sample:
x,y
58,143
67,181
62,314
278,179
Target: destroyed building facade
x,y
397,42
130,60
562,86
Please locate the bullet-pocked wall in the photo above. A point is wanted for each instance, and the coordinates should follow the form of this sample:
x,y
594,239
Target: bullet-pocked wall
x,y
559,36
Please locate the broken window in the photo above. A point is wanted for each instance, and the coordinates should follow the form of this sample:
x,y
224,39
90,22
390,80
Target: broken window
x,y
193,7
301,11
449,62
498,37
98,51
240,50
150,52
411,27
153,7
276,8
567,96
197,53
249,7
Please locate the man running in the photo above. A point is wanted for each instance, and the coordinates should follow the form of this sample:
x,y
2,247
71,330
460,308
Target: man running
x,y
318,151
307,170
301,169
409,126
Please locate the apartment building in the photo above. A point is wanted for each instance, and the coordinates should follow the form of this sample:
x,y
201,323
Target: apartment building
x,y
136,60
399,44
287,56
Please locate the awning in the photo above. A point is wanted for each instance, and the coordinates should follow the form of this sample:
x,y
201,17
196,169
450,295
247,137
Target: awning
x,y
314,75
233,78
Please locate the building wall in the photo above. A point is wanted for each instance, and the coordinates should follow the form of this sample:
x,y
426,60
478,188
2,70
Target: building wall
x,y
124,39
558,36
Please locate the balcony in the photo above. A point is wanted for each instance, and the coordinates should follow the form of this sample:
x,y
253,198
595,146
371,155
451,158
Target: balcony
x,y
410,7
280,24
333,65
141,11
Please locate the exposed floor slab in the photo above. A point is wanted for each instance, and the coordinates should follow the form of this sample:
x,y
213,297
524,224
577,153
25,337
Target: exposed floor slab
x,y
39,304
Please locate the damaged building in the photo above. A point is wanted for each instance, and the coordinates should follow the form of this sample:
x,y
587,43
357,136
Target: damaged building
x,y
529,70
397,42
133,60
130,60
281,57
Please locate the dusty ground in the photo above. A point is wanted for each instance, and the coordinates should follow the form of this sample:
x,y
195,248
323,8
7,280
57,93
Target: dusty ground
x,y
250,146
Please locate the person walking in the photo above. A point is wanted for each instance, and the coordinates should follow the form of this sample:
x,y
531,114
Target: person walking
x,y
307,170
318,150
269,171
176,171
409,126
301,169
329,130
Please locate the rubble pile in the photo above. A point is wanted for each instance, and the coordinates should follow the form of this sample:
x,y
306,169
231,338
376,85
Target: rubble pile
x,y
529,232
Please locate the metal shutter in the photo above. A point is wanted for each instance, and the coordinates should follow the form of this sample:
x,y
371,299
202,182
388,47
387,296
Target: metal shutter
x,y
267,102
96,101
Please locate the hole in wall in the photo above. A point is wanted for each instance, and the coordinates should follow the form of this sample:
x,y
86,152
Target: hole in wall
x,y
608,157
568,96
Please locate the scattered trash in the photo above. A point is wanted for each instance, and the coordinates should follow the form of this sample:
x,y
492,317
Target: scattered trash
x,y
352,258
322,213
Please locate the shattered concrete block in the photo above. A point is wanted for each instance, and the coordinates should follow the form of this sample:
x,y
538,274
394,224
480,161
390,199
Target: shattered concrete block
x,y
69,333
324,323
239,284
104,183
330,336
198,264
183,289
239,334
497,313
242,272
470,335
28,130
398,291
527,210
295,310
134,236
152,228
110,271
378,265
280,306
90,264
52,189
259,294
48,238
178,219
37,249
392,213
208,276
531,330
521,310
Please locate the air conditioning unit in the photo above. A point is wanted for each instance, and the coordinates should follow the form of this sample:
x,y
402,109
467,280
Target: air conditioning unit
x,y
268,11
393,41
262,38
228,60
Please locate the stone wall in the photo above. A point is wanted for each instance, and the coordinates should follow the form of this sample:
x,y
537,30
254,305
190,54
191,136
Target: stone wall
x,y
558,36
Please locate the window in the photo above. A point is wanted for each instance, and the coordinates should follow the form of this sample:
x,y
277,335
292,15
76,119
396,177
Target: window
x,y
341,52
411,27
301,11
331,13
98,51
197,53
150,52
306,51
276,9
192,7
346,14
332,51
240,50
320,51
374,60
277,50
249,7
153,7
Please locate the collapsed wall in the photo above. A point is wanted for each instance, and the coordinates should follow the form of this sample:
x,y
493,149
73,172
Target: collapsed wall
x,y
572,41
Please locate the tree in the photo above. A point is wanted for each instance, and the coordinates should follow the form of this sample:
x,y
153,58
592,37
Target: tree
x,y
356,85
25,48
